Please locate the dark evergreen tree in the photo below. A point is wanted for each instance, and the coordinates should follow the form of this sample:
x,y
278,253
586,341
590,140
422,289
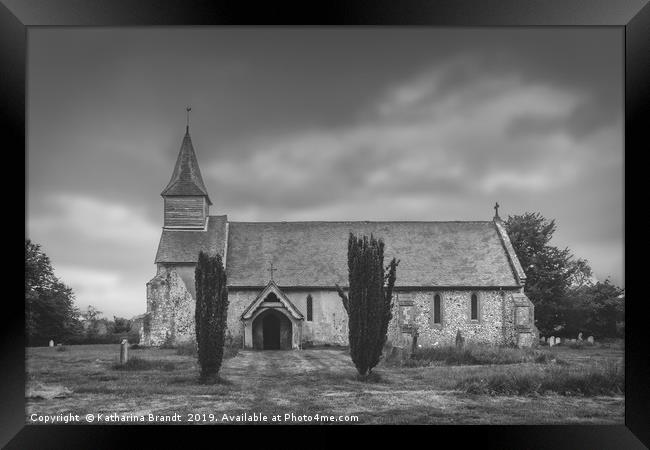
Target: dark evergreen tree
x,y
210,314
369,301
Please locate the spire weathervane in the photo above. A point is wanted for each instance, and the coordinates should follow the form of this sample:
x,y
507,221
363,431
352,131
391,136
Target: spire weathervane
x,y
496,210
188,109
271,270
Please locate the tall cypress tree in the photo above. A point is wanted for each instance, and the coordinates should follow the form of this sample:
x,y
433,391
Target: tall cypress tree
x,y
369,301
210,314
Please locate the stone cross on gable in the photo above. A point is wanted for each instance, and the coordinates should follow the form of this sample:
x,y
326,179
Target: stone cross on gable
x,y
496,209
271,270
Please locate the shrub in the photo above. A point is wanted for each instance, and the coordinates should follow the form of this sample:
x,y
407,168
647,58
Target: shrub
x,y
369,301
593,381
110,338
135,363
480,354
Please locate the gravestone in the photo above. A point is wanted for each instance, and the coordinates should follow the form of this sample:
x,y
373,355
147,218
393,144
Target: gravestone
x,y
124,351
551,341
573,340
558,340
51,343
580,336
590,339
542,339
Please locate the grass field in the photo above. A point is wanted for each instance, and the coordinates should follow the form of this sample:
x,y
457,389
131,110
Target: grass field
x,y
309,382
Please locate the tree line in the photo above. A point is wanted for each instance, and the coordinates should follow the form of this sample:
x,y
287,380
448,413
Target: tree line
x,y
51,313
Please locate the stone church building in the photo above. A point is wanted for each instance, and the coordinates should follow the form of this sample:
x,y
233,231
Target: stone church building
x,y
459,275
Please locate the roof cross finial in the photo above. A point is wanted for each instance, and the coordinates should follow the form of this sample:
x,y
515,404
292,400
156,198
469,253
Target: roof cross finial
x,y
271,270
187,126
496,210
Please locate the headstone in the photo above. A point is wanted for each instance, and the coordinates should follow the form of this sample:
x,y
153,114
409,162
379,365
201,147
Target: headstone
x,y
551,341
573,340
580,336
124,351
590,339
558,340
51,343
542,339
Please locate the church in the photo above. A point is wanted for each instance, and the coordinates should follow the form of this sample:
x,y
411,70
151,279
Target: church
x,y
453,276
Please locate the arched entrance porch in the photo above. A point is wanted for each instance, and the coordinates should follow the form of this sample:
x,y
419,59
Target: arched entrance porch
x,y
272,330
272,322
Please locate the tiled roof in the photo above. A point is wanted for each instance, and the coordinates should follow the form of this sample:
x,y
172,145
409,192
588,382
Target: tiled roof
x,y
314,254
186,178
183,246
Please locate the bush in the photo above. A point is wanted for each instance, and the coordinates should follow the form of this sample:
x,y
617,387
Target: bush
x,y
145,364
593,381
579,345
479,355
110,338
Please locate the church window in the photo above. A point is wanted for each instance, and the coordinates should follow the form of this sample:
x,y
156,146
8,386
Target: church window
x,y
474,307
437,317
310,308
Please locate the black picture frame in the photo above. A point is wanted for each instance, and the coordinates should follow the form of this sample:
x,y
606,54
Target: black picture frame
x,y
17,16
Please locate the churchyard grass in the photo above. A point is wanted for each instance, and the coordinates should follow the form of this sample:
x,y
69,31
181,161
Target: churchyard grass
x,y
324,381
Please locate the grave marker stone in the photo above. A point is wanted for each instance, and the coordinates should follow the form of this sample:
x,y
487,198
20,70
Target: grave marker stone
x,y
124,351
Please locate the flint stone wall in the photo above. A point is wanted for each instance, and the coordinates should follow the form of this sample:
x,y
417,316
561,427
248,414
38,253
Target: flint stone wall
x,y
170,307
414,311
170,314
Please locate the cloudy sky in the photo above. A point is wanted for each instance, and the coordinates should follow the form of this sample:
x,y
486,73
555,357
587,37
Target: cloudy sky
x,y
318,124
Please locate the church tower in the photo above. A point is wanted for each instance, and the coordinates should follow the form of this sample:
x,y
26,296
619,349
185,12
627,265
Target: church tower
x,y
187,204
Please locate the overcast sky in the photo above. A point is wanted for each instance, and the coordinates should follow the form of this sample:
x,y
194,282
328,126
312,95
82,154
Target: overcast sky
x,y
318,124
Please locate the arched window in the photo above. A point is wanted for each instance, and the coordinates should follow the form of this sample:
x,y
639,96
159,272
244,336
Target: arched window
x,y
310,308
437,316
474,307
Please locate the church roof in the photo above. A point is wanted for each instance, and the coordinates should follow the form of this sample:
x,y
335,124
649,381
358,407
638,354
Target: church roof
x,y
186,178
314,254
183,246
